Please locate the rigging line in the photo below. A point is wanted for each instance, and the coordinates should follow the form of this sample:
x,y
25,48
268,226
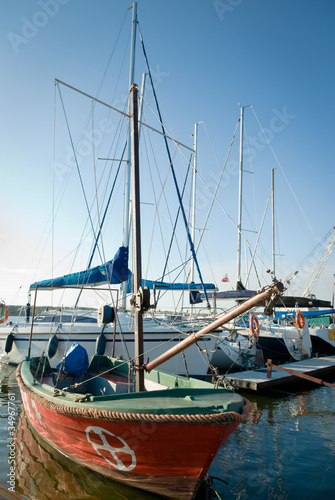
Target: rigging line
x,y
114,144
218,184
312,253
104,217
258,237
256,271
157,201
182,266
53,197
126,115
253,182
95,100
76,162
217,187
210,142
111,56
162,194
94,246
168,204
174,227
96,190
91,97
191,203
166,133
52,214
106,70
182,269
209,264
98,210
168,209
107,205
281,168
173,173
53,194
230,218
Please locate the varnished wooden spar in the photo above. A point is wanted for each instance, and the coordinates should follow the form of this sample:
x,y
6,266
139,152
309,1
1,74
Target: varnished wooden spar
x,y
298,374
272,291
137,257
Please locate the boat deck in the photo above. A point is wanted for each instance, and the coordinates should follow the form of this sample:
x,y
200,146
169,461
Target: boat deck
x,y
257,380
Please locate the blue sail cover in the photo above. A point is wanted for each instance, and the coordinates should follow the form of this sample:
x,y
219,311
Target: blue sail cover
x,y
178,286
115,271
290,315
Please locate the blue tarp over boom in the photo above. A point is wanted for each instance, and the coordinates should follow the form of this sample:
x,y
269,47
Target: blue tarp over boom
x,y
178,286
115,271
308,314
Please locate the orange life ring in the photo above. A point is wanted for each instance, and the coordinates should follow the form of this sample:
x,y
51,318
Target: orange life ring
x,y
4,313
254,326
300,320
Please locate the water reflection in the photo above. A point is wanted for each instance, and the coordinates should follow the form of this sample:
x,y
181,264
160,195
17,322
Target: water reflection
x,y
283,451
45,474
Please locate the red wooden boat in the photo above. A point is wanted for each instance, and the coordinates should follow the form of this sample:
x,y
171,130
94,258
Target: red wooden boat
x,y
161,441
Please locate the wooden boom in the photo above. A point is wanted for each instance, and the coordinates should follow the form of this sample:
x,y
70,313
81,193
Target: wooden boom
x,y
271,292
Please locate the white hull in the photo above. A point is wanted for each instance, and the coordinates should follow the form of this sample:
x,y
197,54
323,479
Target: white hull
x,y
284,342
281,342
156,336
323,340
238,354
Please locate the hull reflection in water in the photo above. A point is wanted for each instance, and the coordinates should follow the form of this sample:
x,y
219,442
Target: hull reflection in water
x,y
45,474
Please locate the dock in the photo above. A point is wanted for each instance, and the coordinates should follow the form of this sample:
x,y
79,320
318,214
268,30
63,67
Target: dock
x,y
257,380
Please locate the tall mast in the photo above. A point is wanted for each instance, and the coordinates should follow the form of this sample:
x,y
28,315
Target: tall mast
x,y
239,223
127,176
194,192
273,223
136,225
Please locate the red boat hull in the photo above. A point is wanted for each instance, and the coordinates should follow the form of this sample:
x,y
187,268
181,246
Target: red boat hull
x,y
169,459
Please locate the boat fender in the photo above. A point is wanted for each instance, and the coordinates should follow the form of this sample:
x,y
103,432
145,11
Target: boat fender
x,y
52,346
100,345
331,332
27,312
4,313
300,320
144,298
9,343
106,314
254,326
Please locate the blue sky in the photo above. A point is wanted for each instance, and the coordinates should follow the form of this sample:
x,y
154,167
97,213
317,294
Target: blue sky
x,y
207,56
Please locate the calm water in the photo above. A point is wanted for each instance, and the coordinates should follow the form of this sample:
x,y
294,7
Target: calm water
x,y
286,450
